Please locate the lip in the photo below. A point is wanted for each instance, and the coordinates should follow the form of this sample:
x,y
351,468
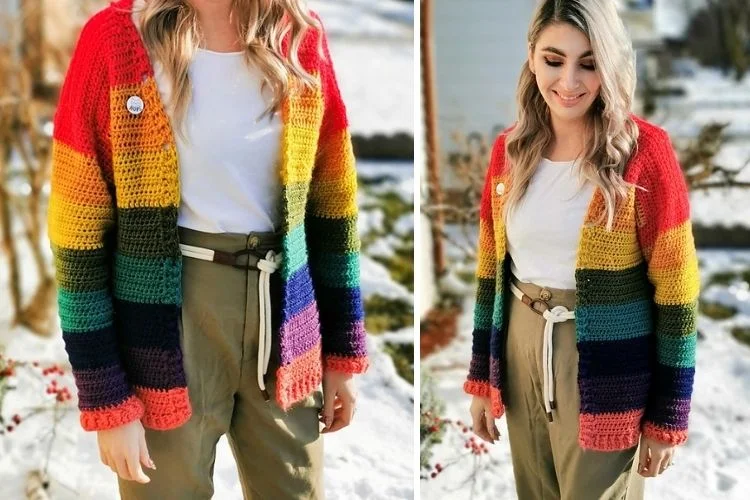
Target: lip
x,y
568,103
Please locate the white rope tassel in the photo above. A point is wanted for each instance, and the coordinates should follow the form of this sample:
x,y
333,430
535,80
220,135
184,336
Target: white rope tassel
x,y
266,266
558,314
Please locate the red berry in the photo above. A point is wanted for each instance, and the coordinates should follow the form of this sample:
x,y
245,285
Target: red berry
x,y
459,423
10,428
467,445
438,467
433,475
465,429
17,419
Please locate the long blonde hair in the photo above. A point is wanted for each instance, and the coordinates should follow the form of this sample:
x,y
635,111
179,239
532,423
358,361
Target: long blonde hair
x,y
611,133
171,33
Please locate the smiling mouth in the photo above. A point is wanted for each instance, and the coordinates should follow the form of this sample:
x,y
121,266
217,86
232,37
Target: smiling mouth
x,y
568,99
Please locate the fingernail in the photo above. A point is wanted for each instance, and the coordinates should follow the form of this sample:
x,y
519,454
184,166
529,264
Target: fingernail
x,y
153,465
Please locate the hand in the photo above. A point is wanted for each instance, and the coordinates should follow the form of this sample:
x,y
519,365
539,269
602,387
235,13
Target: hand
x,y
123,449
483,421
654,457
339,395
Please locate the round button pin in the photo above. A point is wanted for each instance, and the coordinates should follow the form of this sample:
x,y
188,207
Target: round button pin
x,y
500,189
135,105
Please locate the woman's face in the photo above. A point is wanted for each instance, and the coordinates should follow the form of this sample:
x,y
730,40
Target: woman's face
x,y
565,71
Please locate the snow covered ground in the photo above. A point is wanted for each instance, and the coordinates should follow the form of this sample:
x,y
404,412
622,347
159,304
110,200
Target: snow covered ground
x,y
714,463
372,48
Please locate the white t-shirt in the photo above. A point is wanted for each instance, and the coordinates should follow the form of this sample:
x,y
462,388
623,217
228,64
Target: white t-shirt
x,y
543,230
229,176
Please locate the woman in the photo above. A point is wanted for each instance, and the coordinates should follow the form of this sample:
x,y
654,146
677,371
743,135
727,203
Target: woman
x,y
200,150
584,332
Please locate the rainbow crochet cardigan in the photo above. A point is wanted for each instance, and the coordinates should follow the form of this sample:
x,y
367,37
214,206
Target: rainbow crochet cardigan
x,y
113,233
636,303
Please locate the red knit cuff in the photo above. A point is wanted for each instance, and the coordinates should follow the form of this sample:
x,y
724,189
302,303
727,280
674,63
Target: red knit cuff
x,y
664,435
346,364
485,390
102,419
477,388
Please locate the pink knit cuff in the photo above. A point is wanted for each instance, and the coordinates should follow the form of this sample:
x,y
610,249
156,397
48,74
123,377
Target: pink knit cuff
x,y
664,435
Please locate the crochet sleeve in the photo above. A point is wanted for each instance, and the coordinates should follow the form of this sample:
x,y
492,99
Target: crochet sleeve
x,y
487,295
81,218
331,226
666,239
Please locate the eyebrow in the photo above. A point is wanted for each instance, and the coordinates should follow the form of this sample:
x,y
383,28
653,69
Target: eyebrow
x,y
561,53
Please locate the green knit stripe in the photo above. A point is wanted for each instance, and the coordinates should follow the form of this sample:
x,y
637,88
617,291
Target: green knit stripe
x,y
84,311
148,280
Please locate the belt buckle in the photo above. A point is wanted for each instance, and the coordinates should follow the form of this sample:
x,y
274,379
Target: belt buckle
x,y
244,251
541,301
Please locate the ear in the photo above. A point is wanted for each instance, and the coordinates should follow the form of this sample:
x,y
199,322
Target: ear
x,y
530,57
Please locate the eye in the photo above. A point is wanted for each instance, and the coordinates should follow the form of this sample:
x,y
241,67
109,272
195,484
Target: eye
x,y
554,64
589,66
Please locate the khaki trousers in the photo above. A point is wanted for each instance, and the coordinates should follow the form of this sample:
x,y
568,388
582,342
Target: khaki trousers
x,y
548,463
279,455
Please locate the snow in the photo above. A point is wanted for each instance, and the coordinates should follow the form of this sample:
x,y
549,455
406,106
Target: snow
x,y
372,49
712,464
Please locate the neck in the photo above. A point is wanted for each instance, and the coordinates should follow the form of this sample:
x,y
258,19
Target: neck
x,y
217,26
569,138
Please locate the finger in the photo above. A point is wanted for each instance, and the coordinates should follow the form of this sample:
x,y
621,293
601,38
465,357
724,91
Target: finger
x,y
479,426
135,470
121,467
490,423
329,399
642,459
143,453
660,463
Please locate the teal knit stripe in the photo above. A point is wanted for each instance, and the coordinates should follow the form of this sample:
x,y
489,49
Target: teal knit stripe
x,y
84,311
295,251
148,280
614,321
484,304
336,270
677,352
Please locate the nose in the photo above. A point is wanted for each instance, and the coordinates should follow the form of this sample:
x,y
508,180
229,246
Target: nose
x,y
569,78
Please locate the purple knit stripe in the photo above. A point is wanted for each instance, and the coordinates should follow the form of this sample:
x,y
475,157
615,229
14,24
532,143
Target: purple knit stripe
x,y
101,387
479,369
154,368
351,343
299,333
495,372
615,394
675,416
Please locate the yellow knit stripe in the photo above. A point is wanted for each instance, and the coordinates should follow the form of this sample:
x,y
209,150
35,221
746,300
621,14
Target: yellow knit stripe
x,y
599,254
302,114
77,226
679,285
144,151
486,260
77,178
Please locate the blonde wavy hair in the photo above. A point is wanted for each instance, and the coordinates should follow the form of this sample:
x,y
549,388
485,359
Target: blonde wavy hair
x,y
171,33
611,134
